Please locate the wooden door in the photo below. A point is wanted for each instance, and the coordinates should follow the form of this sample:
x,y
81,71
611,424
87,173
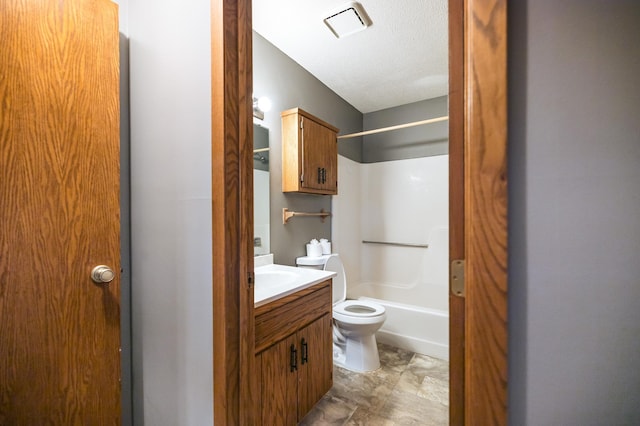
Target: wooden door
x,y
279,367
315,376
59,212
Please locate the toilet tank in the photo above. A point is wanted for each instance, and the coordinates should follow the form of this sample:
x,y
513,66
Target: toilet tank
x,y
339,283
312,262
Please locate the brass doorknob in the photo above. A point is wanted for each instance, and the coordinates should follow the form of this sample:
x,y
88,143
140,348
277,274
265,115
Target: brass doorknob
x,y
102,274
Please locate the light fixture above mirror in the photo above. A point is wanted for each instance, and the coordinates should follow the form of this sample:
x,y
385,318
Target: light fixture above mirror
x,y
260,106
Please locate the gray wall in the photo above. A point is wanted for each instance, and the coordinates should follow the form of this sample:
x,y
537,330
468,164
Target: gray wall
x,y
574,220
412,142
288,85
170,76
573,184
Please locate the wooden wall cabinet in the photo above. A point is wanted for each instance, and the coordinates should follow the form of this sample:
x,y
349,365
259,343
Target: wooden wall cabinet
x,y
309,154
294,354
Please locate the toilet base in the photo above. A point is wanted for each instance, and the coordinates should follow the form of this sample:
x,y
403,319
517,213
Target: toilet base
x,y
359,354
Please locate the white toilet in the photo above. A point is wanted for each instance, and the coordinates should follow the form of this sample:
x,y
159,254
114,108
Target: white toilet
x,y
354,321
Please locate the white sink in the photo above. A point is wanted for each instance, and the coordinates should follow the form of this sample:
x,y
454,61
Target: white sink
x,y
275,281
274,278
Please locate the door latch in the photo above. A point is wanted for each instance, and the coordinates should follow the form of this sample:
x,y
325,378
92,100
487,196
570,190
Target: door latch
x,y
251,279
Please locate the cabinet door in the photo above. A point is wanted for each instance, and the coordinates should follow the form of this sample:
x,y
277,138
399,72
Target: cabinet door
x,y
319,155
279,383
331,164
315,375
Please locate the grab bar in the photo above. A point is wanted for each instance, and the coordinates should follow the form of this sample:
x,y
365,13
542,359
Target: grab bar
x,y
396,244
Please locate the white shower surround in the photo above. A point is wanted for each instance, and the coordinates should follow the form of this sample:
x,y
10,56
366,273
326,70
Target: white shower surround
x,y
404,201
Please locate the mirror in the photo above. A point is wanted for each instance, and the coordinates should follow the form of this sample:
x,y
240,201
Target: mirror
x,y
261,234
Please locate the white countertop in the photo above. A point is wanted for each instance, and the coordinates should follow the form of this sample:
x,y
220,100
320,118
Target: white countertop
x,y
275,281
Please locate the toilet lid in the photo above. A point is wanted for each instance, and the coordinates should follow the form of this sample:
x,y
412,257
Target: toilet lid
x,y
339,285
359,308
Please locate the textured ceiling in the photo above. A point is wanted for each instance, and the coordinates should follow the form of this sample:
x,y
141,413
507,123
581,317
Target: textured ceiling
x,y
401,58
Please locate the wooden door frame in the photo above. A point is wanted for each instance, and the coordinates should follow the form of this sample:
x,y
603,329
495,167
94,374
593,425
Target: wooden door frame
x,y
232,218
456,207
478,210
478,110
485,211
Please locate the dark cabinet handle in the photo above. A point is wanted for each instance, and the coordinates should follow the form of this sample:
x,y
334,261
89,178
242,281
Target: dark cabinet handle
x,y
294,358
304,356
319,175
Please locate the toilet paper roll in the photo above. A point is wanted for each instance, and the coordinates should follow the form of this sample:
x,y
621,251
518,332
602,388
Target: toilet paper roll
x,y
314,250
326,247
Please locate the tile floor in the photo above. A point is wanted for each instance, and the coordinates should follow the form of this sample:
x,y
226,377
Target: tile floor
x,y
407,389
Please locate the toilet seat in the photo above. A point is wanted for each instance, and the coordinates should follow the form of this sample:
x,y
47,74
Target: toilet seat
x,y
359,308
363,312
359,312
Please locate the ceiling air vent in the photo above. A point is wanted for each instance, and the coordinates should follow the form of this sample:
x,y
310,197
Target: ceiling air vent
x,y
347,20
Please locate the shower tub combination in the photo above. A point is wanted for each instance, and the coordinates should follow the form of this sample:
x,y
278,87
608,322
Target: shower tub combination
x,y
403,202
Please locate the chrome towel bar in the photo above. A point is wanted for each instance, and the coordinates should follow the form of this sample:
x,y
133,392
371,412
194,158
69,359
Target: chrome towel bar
x,y
396,244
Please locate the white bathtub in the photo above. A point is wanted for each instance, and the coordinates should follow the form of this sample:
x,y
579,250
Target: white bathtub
x,y
412,285
421,330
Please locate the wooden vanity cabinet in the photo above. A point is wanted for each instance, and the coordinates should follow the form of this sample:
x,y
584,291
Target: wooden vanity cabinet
x,y
309,154
294,354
